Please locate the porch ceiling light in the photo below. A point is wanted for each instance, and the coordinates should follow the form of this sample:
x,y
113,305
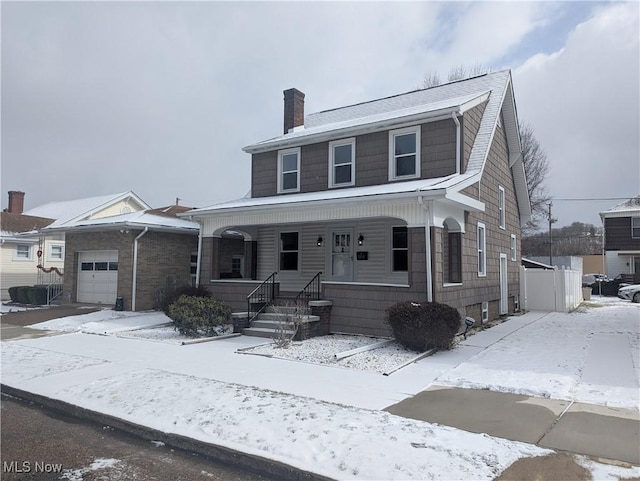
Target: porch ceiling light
x,y
319,241
360,239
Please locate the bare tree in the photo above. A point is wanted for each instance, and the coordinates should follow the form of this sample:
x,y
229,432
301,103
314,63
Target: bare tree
x,y
536,168
431,80
464,72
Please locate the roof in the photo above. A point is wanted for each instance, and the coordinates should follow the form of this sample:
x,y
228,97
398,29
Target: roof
x,y
624,209
149,218
530,263
16,223
68,211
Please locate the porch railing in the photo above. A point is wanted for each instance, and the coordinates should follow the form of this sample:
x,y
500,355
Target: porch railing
x,y
261,297
53,292
310,292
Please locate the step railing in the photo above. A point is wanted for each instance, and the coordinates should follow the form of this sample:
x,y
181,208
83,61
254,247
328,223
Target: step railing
x,y
53,292
261,297
311,292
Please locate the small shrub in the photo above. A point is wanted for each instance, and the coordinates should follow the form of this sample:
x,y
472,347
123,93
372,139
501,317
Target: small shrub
x,y
197,316
424,326
187,290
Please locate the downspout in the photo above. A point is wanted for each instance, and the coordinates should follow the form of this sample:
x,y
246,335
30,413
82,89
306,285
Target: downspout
x,y
135,268
198,262
427,247
454,116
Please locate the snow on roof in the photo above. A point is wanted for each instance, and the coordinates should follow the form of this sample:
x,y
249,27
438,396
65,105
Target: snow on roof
x,y
69,210
413,186
629,206
133,219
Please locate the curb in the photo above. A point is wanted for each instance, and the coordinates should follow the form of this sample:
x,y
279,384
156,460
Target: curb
x,y
248,462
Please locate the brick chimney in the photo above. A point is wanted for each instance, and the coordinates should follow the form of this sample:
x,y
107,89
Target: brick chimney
x,y
16,202
293,109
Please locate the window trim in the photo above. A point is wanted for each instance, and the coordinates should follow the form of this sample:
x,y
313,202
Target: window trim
x,y
51,257
482,249
16,257
281,154
280,251
393,249
392,158
513,247
338,143
636,228
502,217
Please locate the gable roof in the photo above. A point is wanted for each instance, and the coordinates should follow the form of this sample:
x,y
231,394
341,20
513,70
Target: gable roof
x,y
72,210
624,209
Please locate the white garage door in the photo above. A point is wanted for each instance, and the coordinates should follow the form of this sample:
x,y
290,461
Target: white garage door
x,y
98,277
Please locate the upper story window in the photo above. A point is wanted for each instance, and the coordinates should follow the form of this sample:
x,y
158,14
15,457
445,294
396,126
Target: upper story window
x,y
635,227
342,162
400,249
482,249
289,170
404,153
289,251
56,252
513,248
501,213
22,252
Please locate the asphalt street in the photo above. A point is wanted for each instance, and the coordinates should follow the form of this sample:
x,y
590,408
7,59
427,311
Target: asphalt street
x,y
38,444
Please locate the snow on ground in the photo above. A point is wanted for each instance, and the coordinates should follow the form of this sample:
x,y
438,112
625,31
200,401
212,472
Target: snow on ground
x,y
7,307
166,334
589,355
322,350
322,437
105,321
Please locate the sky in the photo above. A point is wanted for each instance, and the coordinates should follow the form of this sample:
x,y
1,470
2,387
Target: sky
x,y
161,97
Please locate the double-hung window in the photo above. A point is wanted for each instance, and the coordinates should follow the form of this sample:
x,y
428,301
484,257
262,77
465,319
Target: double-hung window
x,y
482,249
404,153
289,170
501,214
22,252
342,162
289,251
400,249
56,252
513,247
635,227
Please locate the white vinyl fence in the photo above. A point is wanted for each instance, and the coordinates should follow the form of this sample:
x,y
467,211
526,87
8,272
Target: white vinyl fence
x,y
557,290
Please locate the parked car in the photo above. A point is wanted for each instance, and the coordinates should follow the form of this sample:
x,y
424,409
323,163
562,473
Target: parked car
x,y
630,293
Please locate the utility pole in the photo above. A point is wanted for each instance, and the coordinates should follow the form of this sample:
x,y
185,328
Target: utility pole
x,y
551,221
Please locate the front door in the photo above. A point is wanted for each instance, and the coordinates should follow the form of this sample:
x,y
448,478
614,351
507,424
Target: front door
x,y
504,285
342,256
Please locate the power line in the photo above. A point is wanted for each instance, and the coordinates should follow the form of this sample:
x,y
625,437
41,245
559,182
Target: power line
x,y
586,199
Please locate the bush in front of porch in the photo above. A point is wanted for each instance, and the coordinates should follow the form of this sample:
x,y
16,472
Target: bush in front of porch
x,y
423,326
197,316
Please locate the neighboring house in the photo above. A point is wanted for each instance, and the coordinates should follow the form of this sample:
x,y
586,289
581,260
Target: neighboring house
x,y
414,197
136,255
22,249
622,238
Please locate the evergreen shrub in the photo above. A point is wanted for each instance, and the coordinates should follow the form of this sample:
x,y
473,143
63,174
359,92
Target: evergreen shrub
x,y
198,316
423,326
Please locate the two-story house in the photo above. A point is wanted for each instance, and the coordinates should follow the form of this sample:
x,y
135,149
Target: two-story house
x,y
415,197
622,238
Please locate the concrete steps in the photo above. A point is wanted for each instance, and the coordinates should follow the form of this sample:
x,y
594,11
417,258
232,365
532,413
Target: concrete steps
x,y
267,323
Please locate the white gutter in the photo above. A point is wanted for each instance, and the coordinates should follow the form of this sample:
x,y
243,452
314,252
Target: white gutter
x,y
427,247
135,268
454,116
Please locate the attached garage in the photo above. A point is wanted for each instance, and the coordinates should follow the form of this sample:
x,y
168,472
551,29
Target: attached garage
x,y
98,277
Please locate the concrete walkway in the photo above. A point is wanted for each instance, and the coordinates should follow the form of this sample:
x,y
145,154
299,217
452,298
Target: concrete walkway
x,y
561,425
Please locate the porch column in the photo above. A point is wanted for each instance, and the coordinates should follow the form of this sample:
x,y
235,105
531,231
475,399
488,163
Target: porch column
x,y
250,260
215,258
206,261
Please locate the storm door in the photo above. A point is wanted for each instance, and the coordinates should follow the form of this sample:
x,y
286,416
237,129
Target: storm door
x,y
342,256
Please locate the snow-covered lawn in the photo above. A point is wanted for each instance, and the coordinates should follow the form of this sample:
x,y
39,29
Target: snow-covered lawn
x,y
282,410
105,321
166,334
7,307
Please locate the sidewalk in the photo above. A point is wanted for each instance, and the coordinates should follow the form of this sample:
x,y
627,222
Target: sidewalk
x,y
143,383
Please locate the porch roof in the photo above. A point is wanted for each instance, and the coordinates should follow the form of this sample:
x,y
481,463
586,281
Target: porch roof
x,y
429,188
